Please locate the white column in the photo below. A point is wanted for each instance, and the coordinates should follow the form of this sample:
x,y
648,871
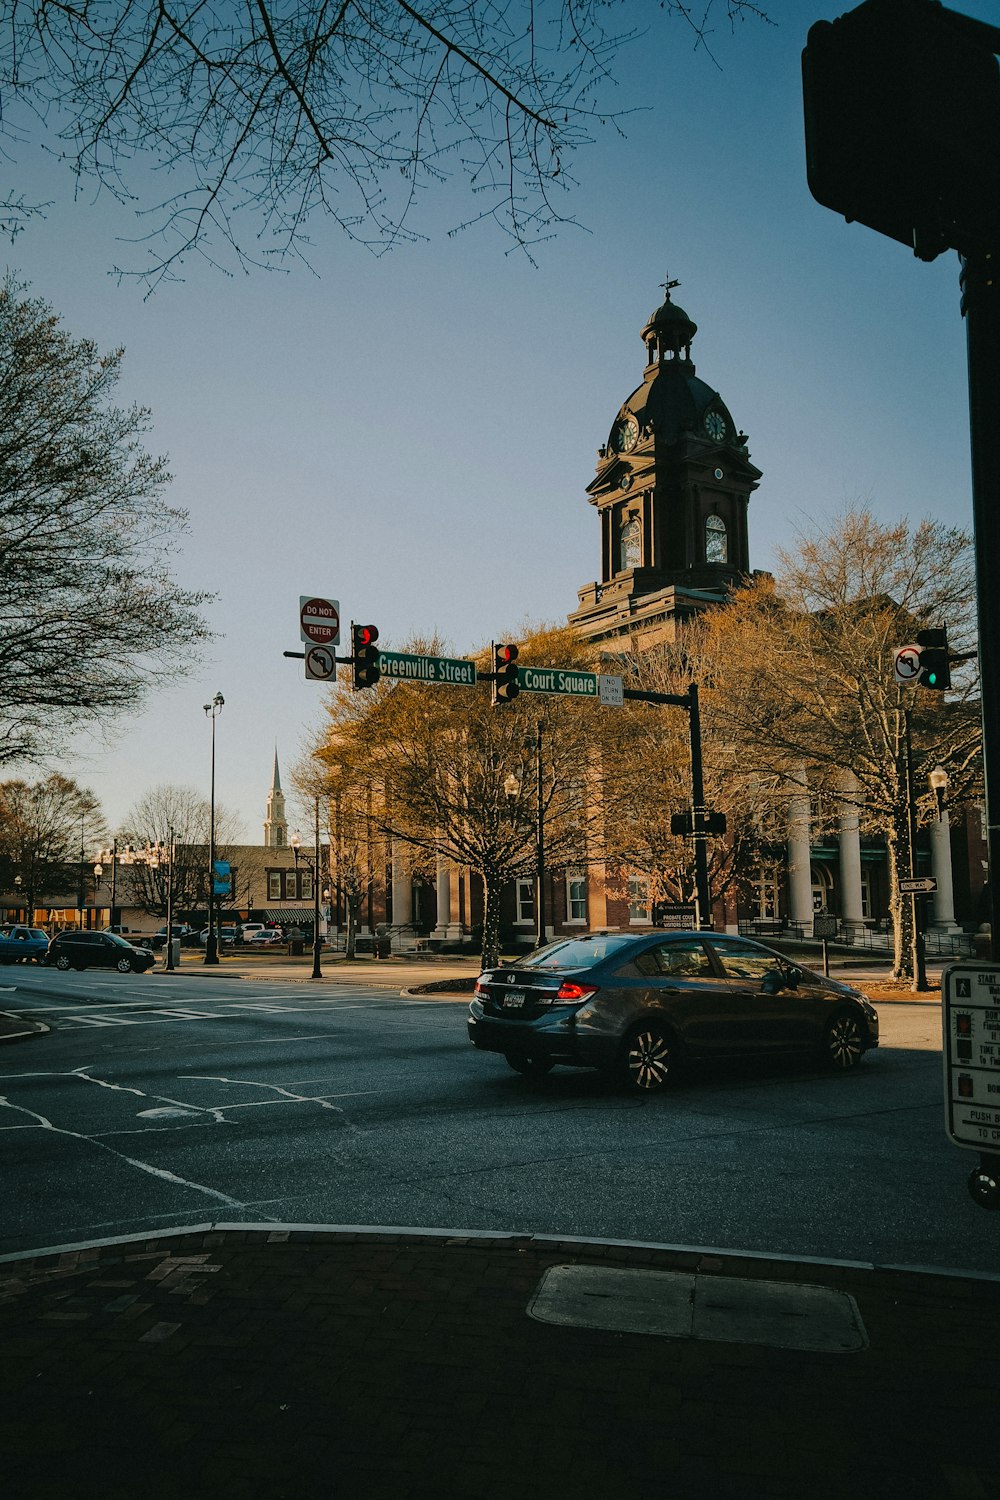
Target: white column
x,y
402,894
850,860
799,872
943,898
443,889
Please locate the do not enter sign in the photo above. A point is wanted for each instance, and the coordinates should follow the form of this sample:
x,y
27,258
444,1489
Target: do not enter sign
x,y
319,620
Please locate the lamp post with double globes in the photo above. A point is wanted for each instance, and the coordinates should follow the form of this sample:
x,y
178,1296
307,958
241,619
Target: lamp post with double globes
x,y
213,710
313,865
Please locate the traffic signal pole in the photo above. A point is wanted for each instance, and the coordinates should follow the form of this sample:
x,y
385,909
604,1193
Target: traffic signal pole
x,y
981,309
689,701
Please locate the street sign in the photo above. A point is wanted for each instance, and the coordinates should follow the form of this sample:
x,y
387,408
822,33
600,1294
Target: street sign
x,y
906,663
321,663
319,620
611,691
451,670
675,915
558,680
920,885
970,1016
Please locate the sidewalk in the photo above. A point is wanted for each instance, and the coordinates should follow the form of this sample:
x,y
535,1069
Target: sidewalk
x,y
271,1362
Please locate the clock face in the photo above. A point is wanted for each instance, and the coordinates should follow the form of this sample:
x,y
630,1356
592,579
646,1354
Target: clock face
x,y
626,434
715,426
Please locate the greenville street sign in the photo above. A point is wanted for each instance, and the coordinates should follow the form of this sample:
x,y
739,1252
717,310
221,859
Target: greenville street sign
x,y
454,671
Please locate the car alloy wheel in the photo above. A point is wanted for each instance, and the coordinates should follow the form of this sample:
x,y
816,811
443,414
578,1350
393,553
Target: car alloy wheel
x,y
124,966
62,961
843,1044
648,1060
530,1066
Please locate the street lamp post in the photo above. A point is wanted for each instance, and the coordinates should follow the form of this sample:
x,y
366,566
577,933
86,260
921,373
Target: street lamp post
x,y
313,865
18,882
169,962
213,710
98,872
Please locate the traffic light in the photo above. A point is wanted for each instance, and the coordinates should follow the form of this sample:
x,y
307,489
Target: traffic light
x,y
935,660
365,652
902,106
505,684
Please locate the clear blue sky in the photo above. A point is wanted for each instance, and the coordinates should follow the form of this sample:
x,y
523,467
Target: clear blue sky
x,y
413,434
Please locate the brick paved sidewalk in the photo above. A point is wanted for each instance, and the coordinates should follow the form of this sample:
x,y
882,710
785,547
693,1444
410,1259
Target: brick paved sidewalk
x,y
301,1363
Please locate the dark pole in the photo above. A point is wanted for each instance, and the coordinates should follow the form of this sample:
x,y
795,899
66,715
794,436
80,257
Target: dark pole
x,y
114,880
703,893
170,901
213,710
981,309
317,970
916,909
82,877
540,837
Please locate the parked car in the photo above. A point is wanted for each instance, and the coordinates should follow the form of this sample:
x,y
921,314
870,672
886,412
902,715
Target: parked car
x,y
267,937
639,1007
23,945
249,928
226,937
178,930
103,950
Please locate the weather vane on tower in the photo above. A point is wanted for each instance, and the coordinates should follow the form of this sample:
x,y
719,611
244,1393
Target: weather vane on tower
x,y
668,287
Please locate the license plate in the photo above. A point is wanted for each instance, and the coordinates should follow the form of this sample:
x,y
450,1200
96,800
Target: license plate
x,y
513,1000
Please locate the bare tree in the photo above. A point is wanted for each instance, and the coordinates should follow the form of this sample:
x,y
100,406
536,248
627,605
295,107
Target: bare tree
x,y
802,680
455,777
90,618
182,812
648,778
274,111
48,832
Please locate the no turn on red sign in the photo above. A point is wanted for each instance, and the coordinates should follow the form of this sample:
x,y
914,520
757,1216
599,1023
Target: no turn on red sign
x,y
319,620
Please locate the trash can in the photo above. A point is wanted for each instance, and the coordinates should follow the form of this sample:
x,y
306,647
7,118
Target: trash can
x,y
383,941
295,942
175,951
982,941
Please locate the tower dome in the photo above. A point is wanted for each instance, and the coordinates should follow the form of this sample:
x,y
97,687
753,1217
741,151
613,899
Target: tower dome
x,y
669,330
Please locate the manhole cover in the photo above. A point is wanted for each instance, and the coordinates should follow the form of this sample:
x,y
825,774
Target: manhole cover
x,y
681,1305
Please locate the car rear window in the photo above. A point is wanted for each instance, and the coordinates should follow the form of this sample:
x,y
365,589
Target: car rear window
x,y
577,953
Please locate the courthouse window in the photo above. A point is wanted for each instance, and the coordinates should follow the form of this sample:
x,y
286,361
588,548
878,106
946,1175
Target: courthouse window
x,y
576,898
716,540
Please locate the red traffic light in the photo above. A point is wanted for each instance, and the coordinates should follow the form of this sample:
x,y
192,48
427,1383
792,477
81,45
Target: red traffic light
x,y
366,635
505,681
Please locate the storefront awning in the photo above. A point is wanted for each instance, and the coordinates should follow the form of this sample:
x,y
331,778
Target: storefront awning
x,y
288,914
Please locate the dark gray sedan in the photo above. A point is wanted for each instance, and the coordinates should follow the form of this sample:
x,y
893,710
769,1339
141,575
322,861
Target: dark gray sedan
x,y
640,1007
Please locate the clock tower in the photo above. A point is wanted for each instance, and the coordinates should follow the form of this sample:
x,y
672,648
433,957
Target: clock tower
x,y
671,492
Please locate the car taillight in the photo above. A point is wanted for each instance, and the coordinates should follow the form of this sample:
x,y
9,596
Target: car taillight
x,y
480,992
570,991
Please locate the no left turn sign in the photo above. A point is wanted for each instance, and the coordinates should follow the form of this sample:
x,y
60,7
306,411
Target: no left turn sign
x,y
906,663
321,664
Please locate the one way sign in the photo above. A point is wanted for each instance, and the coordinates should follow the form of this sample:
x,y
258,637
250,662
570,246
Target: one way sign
x,y
920,885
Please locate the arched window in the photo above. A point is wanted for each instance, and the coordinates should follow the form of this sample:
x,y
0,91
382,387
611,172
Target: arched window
x,y
716,540
630,545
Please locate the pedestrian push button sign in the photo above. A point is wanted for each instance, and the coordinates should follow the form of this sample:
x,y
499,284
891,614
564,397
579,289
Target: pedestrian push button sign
x,y
970,1012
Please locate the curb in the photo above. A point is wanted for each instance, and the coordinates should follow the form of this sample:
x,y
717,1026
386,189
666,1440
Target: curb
x,y
280,1233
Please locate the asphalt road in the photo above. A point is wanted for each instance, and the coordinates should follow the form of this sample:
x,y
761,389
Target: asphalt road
x,y
159,1101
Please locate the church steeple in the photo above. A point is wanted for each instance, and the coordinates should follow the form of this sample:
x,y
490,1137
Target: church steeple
x,y
275,821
